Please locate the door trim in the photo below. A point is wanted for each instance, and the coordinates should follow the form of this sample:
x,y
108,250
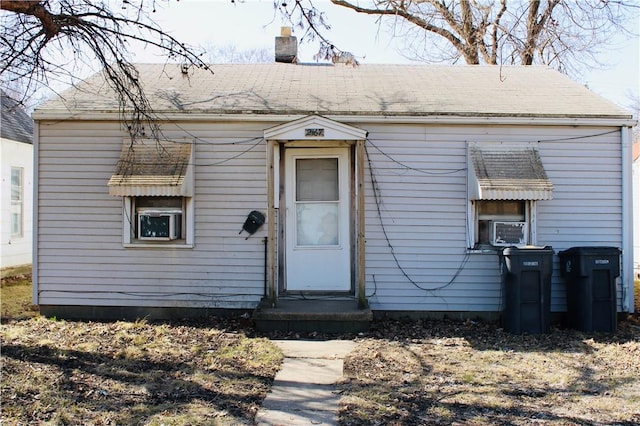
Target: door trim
x,y
276,137
304,262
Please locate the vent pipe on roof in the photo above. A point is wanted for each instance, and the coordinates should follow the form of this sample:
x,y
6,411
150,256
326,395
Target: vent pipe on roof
x,y
286,46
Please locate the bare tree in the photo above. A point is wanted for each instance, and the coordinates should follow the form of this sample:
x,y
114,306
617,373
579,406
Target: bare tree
x,y
230,54
564,34
47,40
42,41
634,105
304,15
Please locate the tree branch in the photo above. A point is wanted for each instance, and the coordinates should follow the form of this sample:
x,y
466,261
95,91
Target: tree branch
x,y
535,24
494,32
93,32
402,12
36,9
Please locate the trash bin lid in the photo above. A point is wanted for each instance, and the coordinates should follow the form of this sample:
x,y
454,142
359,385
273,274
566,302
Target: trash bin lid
x,y
508,251
590,251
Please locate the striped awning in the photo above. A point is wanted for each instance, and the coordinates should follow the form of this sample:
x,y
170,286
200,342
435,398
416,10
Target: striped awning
x,y
152,167
507,172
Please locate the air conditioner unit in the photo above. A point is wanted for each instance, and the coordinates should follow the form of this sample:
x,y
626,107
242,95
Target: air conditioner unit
x,y
508,233
159,225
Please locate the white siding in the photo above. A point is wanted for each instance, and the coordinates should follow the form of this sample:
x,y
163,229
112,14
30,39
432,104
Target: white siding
x,y
421,177
82,260
636,219
586,209
15,251
424,211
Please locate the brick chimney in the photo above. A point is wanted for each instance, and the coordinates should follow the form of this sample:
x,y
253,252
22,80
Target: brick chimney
x,y
286,47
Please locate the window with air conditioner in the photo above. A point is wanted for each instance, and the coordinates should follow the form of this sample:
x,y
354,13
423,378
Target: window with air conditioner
x,y
508,233
159,224
154,177
158,221
501,223
505,181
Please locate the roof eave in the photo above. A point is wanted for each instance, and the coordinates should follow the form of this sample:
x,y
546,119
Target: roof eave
x,y
355,117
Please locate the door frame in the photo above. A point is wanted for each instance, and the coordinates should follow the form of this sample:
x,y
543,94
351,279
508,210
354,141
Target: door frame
x,y
342,254
319,132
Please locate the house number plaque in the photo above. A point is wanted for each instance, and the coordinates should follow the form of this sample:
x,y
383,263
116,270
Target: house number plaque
x,y
314,132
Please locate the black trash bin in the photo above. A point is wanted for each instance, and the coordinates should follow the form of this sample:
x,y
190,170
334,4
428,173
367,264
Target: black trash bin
x,y
526,280
590,276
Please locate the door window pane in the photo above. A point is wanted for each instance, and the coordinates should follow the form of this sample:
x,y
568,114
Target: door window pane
x,y
317,224
317,179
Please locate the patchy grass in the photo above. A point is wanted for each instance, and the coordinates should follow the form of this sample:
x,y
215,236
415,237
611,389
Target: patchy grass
x,y
16,297
401,373
442,372
62,372
58,372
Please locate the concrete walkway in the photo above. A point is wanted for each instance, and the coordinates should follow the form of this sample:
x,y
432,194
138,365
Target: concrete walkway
x,y
304,390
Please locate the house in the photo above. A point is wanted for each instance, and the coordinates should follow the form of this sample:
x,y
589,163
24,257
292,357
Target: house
x,y
636,203
391,187
16,169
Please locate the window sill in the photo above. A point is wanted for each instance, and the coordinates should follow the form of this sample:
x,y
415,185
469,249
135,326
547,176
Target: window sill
x,y
158,246
486,250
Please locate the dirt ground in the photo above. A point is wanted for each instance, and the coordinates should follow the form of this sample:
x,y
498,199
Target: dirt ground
x,y
132,373
474,373
217,371
441,372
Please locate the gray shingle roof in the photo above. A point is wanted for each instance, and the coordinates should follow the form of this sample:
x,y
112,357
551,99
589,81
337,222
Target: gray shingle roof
x,y
379,90
15,123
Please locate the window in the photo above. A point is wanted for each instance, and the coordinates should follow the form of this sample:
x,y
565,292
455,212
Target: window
x,y
158,221
155,180
17,202
501,222
505,182
317,202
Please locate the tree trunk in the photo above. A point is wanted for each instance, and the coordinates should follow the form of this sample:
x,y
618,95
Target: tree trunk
x,y
536,21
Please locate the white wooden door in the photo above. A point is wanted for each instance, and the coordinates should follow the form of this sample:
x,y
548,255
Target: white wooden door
x,y
317,237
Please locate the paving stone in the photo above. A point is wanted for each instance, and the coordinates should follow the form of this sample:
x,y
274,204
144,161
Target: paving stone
x,y
304,390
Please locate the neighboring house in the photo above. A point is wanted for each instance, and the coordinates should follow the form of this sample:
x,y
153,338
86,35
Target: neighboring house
x,y
380,184
16,169
636,208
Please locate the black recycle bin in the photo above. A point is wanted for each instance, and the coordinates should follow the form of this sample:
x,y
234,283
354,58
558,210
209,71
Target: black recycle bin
x,y
590,276
526,280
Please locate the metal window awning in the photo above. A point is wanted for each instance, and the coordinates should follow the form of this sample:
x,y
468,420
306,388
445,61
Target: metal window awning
x,y
150,167
507,172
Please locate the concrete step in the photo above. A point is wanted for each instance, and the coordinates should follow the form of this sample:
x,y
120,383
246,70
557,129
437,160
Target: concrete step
x,y
308,315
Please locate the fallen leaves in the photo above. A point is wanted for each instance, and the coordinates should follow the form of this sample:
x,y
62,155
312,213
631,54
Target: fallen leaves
x,y
63,372
444,372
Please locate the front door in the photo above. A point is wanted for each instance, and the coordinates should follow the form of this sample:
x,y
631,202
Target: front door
x,y
318,243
